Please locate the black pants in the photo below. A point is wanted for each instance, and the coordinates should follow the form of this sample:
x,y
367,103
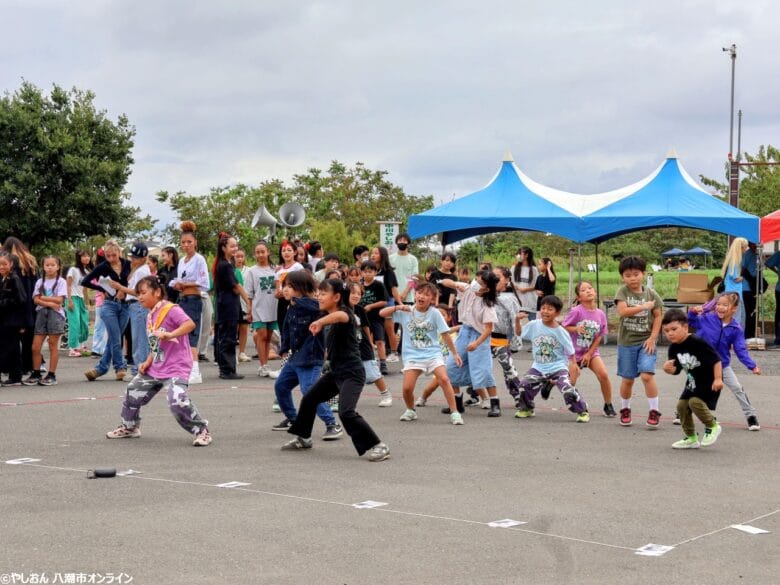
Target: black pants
x,y
225,339
777,317
11,353
749,298
27,342
348,390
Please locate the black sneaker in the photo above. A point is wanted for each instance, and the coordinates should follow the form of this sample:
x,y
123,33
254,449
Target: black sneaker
x,y
446,410
11,383
383,369
202,357
49,380
32,379
282,426
473,401
495,410
609,410
752,423
231,376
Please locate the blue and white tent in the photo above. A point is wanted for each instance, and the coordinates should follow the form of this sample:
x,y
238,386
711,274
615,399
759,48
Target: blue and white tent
x,y
668,197
507,203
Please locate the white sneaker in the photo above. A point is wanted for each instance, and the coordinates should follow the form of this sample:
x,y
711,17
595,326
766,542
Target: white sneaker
x,y
263,371
242,357
456,418
276,407
274,374
408,415
385,399
392,358
420,401
195,378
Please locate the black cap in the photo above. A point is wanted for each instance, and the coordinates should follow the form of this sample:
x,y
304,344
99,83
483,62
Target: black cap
x,y
139,250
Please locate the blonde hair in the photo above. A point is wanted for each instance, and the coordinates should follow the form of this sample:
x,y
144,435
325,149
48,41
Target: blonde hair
x,y
732,264
112,245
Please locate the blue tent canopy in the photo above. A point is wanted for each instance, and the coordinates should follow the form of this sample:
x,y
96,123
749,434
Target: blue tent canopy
x,y
673,252
511,201
697,251
505,204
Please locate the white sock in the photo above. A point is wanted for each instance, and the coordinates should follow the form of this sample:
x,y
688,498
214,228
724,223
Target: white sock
x,y
625,403
653,402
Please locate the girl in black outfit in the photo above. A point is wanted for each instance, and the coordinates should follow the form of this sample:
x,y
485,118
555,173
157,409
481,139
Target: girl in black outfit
x,y
545,282
343,375
227,290
26,268
169,269
13,298
386,274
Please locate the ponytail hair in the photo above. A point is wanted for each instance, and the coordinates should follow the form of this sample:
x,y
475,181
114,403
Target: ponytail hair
x,y
222,240
339,287
154,283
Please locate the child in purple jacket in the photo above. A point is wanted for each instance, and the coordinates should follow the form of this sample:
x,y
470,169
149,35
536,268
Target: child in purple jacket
x,y
714,323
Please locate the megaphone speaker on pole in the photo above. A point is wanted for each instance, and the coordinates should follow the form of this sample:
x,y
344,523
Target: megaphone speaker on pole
x,y
264,218
291,215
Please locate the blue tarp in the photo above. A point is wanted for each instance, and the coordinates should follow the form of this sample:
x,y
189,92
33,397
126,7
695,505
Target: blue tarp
x,y
697,251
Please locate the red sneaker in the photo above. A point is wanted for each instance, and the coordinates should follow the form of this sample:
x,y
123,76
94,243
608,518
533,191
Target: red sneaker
x,y
625,417
653,419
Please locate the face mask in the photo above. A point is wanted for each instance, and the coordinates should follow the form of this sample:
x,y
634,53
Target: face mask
x,y
402,246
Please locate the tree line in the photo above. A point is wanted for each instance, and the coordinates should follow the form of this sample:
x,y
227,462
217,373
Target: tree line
x,y
64,166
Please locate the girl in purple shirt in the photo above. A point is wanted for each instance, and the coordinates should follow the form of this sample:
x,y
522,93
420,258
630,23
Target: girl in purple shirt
x,y
587,324
167,367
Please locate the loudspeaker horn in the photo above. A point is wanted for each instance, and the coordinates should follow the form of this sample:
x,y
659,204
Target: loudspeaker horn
x,y
291,215
264,217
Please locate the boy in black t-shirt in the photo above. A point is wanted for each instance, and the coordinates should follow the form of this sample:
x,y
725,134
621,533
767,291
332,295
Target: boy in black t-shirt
x,y
374,298
704,379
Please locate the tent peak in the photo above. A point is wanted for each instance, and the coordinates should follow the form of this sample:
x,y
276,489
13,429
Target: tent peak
x,y
508,156
672,153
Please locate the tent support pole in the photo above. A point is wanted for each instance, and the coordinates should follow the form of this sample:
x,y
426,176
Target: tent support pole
x,y
598,290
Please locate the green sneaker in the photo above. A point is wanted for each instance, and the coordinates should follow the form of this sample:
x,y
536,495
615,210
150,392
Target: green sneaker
x,y
583,417
711,435
691,442
524,413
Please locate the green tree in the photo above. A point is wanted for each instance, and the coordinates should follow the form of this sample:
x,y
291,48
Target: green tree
x,y
759,186
63,166
356,198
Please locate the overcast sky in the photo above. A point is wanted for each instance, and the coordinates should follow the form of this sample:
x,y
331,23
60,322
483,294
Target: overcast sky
x,y
588,96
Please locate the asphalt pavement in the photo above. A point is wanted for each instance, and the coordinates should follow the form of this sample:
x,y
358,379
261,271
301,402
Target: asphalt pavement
x,y
574,502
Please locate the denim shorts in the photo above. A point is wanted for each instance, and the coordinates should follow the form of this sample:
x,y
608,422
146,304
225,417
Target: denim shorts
x,y
192,305
49,322
372,371
633,360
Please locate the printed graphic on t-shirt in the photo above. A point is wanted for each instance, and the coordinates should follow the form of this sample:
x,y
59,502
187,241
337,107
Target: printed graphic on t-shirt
x,y
592,329
157,352
639,323
544,348
419,332
266,284
688,362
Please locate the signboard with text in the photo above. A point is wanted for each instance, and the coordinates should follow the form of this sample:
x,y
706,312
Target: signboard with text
x,y
388,230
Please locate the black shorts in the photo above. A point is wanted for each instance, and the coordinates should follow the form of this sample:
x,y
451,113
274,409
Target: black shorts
x,y
377,330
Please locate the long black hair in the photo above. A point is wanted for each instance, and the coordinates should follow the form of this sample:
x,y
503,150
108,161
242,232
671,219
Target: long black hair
x,y
339,287
490,280
529,257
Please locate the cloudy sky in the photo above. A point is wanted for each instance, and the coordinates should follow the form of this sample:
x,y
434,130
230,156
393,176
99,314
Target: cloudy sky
x,y
588,96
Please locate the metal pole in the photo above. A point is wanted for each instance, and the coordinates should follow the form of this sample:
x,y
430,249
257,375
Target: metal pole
x,y
739,136
732,50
